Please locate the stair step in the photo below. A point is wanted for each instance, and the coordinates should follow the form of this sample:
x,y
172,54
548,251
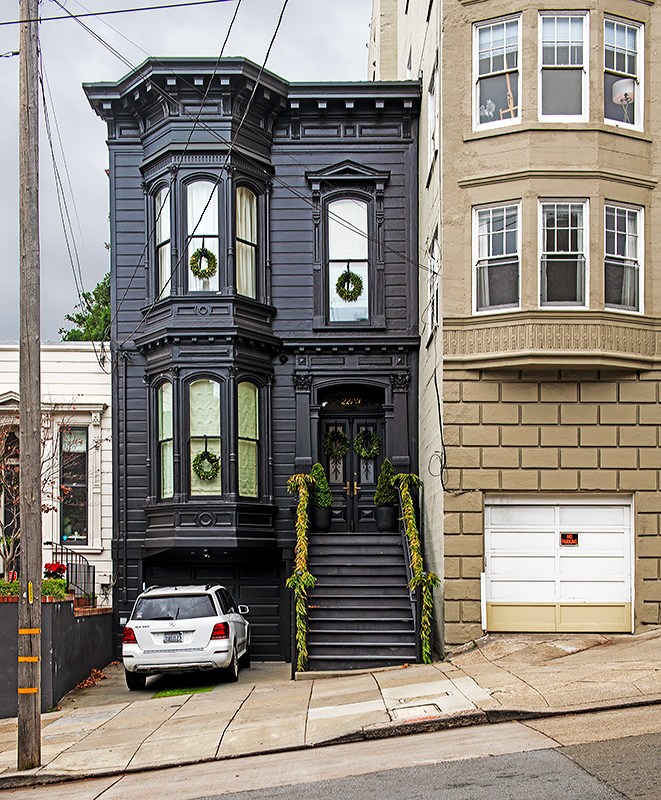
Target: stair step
x,y
373,650
356,550
360,638
351,614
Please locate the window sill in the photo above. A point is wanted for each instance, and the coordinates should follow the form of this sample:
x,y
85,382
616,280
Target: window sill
x,y
526,127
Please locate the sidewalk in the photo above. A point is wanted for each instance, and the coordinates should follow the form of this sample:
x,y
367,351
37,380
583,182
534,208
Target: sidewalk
x,y
105,730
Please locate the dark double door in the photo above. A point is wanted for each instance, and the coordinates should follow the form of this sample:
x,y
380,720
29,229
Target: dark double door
x,y
353,479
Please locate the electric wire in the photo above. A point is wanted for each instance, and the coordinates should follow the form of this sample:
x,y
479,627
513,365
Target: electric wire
x,y
117,11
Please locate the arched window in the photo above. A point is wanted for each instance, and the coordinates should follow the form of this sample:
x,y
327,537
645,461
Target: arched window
x,y
165,441
248,436
162,236
246,242
202,231
348,253
204,442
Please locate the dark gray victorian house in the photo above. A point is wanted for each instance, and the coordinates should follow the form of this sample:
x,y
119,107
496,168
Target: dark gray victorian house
x,y
237,202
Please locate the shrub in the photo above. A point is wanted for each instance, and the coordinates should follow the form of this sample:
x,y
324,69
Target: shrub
x,y
50,587
320,494
386,494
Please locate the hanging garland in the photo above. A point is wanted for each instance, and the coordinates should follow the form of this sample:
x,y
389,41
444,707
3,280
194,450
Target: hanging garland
x,y
335,444
212,263
349,286
365,450
199,469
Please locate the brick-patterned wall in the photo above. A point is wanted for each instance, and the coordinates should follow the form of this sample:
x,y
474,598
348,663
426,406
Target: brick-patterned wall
x,y
554,432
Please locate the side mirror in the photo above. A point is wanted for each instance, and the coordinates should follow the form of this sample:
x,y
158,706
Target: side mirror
x,y
244,610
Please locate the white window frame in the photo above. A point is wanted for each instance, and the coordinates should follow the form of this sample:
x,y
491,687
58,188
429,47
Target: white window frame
x,y
585,83
638,78
432,117
586,250
496,123
640,240
476,253
433,274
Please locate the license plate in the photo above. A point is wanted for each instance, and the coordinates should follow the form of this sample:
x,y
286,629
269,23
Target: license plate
x,y
172,638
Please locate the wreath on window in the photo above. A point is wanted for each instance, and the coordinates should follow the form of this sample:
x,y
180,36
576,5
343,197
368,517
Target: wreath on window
x,y
209,257
349,286
335,444
367,444
204,473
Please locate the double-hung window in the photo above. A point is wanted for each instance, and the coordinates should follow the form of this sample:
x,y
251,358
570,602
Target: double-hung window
x,y
623,260
202,233
73,485
162,237
497,249
246,242
165,441
563,73
347,260
204,442
432,116
247,395
433,261
623,73
563,260
497,73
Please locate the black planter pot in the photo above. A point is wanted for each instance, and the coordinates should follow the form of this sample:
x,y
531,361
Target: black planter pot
x,y
386,518
320,519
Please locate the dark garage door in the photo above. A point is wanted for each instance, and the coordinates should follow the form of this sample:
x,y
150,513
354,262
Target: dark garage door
x,y
259,586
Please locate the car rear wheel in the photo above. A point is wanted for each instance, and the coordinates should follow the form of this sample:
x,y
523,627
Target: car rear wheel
x,y
231,672
134,680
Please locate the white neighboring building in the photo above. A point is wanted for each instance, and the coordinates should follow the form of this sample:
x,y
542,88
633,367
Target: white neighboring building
x,y
76,421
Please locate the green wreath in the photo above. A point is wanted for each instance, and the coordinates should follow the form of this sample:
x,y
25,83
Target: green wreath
x,y
344,282
335,444
212,263
214,466
365,450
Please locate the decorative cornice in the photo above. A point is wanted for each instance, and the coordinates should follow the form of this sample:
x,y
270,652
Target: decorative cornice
x,y
564,174
585,340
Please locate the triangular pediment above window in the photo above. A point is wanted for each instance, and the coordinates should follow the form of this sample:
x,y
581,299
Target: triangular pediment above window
x,y
8,400
347,173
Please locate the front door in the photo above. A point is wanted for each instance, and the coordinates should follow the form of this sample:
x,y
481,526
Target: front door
x,y
352,478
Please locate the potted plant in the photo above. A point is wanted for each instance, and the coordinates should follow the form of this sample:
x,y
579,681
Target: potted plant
x,y
321,500
386,499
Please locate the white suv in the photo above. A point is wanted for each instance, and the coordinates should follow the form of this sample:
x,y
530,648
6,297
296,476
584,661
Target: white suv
x,y
185,628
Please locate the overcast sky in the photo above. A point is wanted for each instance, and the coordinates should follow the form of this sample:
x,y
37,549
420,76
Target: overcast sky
x,y
318,40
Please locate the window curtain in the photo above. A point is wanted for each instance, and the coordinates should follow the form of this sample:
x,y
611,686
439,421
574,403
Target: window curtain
x,y
348,249
247,396
204,404
203,219
165,436
162,210
246,245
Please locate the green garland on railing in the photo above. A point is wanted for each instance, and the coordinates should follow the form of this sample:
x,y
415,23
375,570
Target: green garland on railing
x,y
425,580
301,580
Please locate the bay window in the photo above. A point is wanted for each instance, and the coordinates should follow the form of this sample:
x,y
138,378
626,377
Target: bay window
x,y
497,258
246,242
202,232
564,76
204,438
623,247
165,441
497,72
623,73
248,438
162,238
563,260
347,259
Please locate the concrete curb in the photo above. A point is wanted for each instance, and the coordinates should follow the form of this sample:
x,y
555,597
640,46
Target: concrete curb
x,y
461,719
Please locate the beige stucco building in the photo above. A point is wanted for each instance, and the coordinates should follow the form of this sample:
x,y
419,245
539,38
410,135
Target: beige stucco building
x,y
540,265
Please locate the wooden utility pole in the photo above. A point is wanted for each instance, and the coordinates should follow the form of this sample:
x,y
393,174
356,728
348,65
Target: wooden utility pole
x,y
29,601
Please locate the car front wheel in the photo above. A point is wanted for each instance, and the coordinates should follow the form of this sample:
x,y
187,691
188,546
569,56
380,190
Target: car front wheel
x,y
231,672
135,680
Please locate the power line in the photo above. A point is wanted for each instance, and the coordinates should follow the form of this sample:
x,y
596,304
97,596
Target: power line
x,y
117,11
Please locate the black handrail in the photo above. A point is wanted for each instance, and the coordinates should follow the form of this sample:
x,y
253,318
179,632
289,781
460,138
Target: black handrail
x,y
80,573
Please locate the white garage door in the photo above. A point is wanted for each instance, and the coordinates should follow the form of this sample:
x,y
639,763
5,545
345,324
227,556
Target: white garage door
x,y
558,565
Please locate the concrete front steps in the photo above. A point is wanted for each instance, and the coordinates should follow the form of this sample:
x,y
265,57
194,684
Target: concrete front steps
x,y
360,612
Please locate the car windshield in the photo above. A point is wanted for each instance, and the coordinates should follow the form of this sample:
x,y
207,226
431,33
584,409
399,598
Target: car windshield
x,y
177,607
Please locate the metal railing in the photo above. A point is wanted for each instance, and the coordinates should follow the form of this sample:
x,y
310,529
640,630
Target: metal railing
x,y
80,573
